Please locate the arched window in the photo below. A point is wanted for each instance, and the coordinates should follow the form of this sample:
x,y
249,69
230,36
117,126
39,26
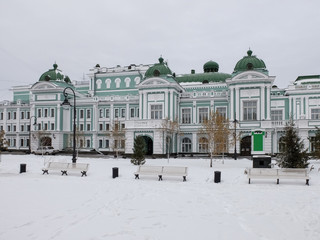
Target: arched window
x,y
108,82
137,80
99,82
203,145
118,81
186,145
127,81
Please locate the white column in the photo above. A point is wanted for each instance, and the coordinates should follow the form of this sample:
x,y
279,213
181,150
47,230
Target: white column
x,y
145,105
166,104
268,104
231,104
140,105
194,142
237,107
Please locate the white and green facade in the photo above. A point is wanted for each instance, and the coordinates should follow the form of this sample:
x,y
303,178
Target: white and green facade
x,y
139,97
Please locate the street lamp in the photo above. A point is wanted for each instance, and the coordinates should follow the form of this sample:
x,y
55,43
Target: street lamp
x,y
67,103
235,121
34,123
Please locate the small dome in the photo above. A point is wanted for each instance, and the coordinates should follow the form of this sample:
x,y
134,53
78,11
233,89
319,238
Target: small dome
x,y
211,66
54,75
158,69
250,62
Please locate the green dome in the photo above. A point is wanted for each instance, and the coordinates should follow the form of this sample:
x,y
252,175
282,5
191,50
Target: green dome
x,y
158,69
250,62
211,66
54,75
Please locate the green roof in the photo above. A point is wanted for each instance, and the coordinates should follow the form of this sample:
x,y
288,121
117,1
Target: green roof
x,y
308,79
158,69
211,66
203,77
54,75
248,63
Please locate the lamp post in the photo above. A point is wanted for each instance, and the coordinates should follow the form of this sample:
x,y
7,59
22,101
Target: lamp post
x,y
67,103
34,123
235,121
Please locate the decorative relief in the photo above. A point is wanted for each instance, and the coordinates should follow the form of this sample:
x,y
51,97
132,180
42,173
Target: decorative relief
x,y
156,97
249,92
278,103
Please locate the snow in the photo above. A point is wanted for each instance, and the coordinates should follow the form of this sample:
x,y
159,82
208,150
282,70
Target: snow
x,y
35,206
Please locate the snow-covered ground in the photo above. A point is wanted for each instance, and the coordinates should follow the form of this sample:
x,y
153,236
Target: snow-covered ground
x,y
40,207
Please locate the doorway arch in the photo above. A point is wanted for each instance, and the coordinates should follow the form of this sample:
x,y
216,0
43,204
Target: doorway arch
x,y
149,145
245,146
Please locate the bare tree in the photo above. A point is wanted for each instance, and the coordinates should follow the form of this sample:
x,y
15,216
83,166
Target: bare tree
x,y
3,141
118,136
80,139
169,128
216,131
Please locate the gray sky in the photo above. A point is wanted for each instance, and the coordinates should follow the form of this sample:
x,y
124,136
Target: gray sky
x,y
78,34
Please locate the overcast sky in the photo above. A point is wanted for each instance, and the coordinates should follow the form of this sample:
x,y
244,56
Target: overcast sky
x,y
78,34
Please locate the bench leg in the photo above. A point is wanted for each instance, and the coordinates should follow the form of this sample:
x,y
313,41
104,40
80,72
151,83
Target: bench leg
x,y
83,173
160,177
137,176
184,178
307,182
45,171
277,181
64,172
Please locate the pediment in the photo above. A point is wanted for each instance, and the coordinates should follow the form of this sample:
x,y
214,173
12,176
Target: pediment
x,y
250,75
154,81
43,85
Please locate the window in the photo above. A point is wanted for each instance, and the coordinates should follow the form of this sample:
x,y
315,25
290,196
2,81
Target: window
x,y
186,115
14,115
123,126
21,142
9,128
52,112
22,115
222,111
39,113
137,112
203,145
312,144
14,128
9,115
1,127
28,128
14,142
107,113
107,143
203,114
100,113
81,127
1,116
116,113
101,127
88,113
45,126
315,113
186,145
88,143
52,126
100,143
123,112
81,113
156,111
45,112
107,126
88,127
21,128
123,143
249,110
132,112
28,115
39,126
276,115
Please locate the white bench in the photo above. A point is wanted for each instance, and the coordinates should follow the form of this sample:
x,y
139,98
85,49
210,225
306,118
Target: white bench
x,y
162,171
65,167
277,174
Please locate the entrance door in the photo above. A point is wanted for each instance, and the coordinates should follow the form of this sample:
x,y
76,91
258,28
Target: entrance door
x,y
245,146
149,145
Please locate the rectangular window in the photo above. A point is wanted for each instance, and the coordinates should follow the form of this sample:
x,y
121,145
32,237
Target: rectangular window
x,y
81,127
28,128
101,127
156,111
100,113
52,112
28,115
14,115
9,128
21,128
45,126
39,126
88,127
203,114
107,126
14,142
116,113
222,111
100,143
52,126
9,115
1,127
123,112
132,112
21,142
315,113
107,113
137,112
276,115
249,110
39,113
107,143
88,113
14,128
45,113
186,115
88,143
81,113
22,115
1,116
123,126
